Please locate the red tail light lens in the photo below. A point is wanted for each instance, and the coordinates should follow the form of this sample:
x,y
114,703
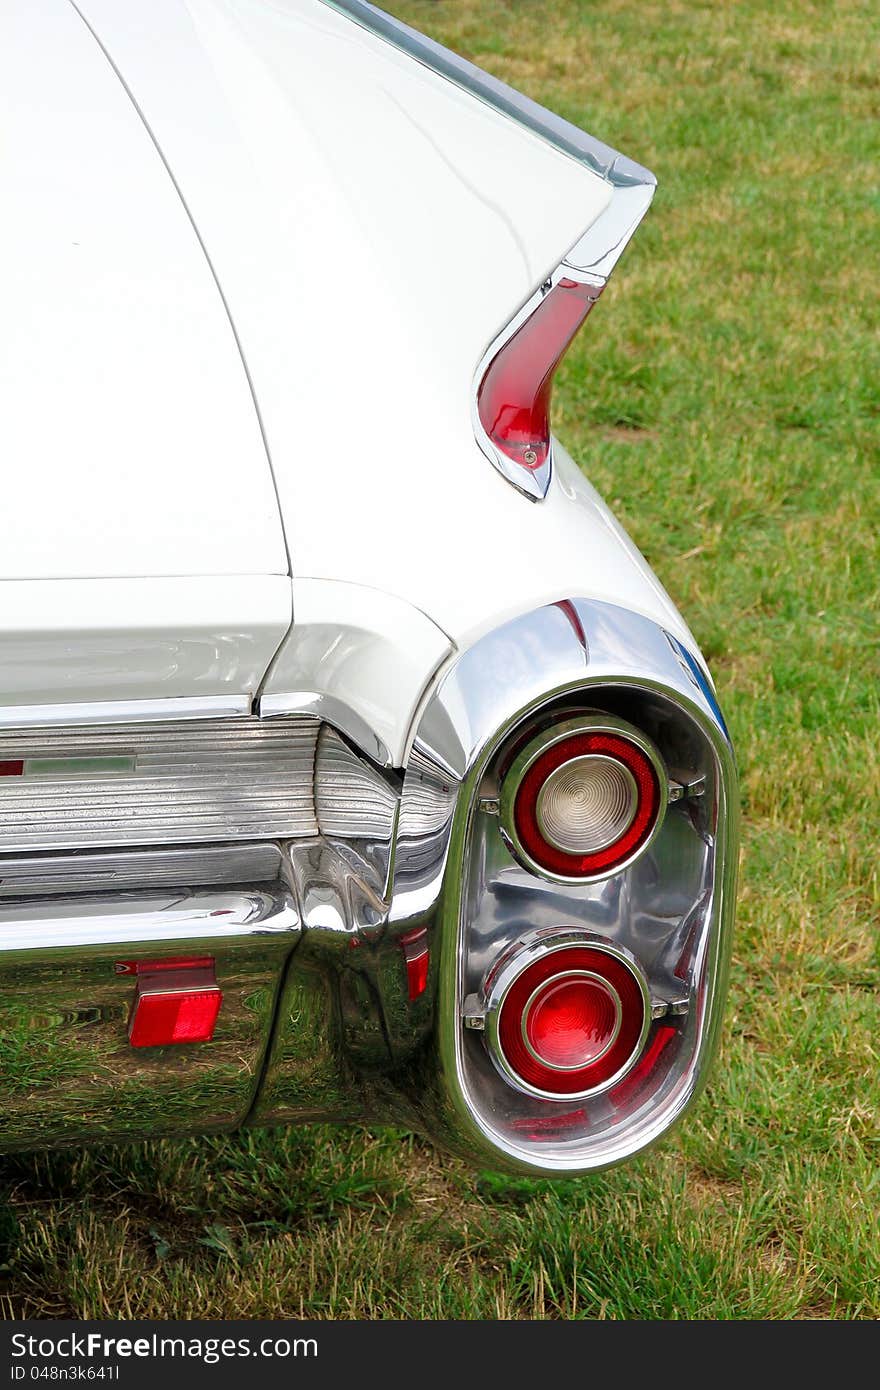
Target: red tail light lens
x,y
573,1021
581,803
513,398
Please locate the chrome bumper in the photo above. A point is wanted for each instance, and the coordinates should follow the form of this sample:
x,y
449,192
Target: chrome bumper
x,y
67,1069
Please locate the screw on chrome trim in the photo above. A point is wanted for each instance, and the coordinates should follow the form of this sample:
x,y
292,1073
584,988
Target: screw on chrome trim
x,y
490,805
472,1015
530,457
669,1008
682,791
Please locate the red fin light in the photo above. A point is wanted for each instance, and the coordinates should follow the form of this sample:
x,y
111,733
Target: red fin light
x,y
513,398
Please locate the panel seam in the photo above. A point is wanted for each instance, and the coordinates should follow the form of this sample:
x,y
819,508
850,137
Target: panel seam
x,y
223,300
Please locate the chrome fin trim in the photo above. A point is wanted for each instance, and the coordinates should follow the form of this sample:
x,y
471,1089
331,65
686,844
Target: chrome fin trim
x,y
326,709
598,157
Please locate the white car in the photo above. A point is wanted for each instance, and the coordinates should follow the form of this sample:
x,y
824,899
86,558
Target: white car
x,y
353,763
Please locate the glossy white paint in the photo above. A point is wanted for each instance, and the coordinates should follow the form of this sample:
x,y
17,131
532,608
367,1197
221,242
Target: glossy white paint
x,y
74,641
360,659
372,228
130,441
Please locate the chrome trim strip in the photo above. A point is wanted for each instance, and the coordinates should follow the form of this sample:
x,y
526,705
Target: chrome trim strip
x,y
328,710
199,865
596,252
125,711
598,157
77,926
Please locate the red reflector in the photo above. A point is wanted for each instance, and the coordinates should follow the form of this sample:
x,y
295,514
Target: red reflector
x,y
175,1006
11,767
414,945
573,1021
513,399
160,1019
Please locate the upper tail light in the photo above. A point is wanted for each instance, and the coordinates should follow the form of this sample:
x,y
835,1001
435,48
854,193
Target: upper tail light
x,y
582,800
513,394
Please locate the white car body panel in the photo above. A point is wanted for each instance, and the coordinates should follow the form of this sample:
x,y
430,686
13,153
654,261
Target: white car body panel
x,y
68,642
131,444
301,142
371,227
360,659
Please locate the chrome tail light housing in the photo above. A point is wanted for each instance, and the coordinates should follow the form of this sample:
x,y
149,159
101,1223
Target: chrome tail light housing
x,y
579,898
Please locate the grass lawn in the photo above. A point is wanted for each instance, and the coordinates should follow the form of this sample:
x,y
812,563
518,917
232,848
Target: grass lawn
x,y
723,397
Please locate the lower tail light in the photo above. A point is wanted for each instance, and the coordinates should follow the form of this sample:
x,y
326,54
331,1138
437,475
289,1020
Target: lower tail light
x,y
513,395
584,799
567,1020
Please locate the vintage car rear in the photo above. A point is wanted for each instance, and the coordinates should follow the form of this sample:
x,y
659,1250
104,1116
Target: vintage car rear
x,y
353,763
